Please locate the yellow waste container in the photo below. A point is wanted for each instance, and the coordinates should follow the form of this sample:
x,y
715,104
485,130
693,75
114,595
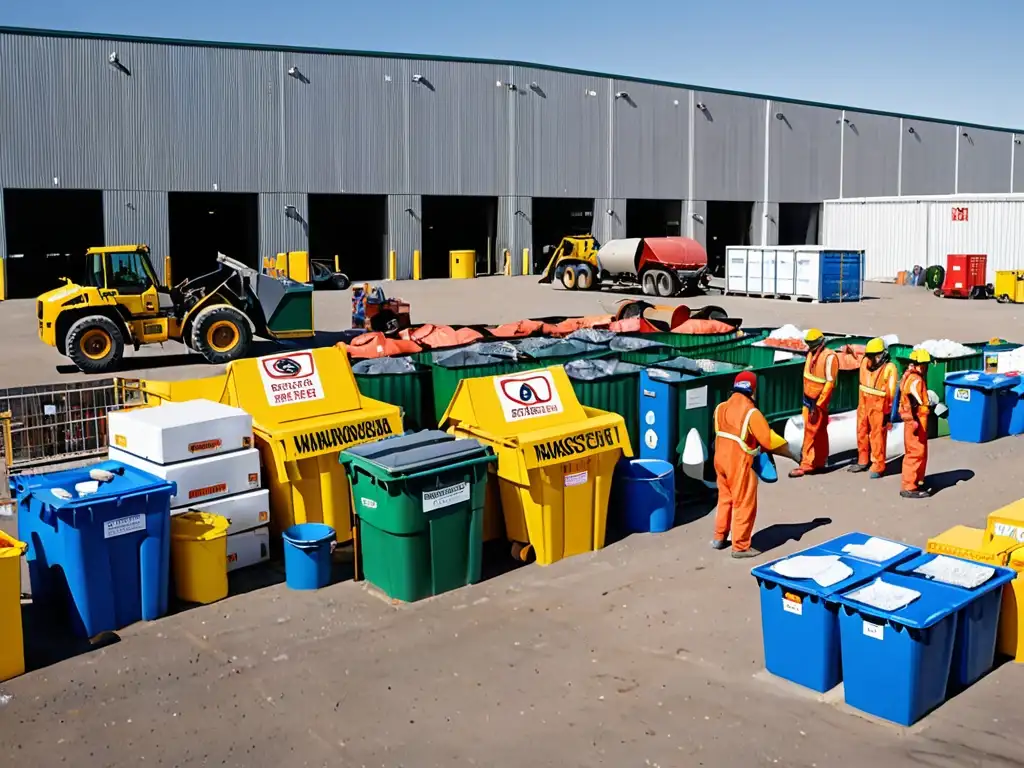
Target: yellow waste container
x,y
462,264
1009,286
1006,522
1011,618
12,644
972,544
199,557
555,458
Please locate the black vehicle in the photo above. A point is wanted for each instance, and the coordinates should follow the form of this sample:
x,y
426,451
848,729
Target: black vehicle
x,y
325,278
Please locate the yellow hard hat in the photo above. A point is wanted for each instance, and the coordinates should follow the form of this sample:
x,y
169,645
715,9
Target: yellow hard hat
x,y
920,356
874,347
813,335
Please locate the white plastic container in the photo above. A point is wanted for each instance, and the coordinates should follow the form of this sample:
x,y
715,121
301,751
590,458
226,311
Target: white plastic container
x,y
202,480
248,548
800,271
244,511
181,431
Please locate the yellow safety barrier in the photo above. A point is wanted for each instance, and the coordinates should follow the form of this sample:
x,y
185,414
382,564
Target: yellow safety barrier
x,y
462,264
12,643
168,275
526,261
392,265
306,409
417,266
555,458
199,557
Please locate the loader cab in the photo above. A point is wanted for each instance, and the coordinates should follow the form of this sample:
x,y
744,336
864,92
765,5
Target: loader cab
x,y
125,273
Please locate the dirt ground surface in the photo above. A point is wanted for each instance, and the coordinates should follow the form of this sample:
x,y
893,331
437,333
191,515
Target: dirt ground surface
x,y
647,653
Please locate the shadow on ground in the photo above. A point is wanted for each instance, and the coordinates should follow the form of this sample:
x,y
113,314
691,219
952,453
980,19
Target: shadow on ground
x,y
776,535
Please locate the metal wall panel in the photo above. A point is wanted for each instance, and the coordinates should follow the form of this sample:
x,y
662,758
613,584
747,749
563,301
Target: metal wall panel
x,y
695,223
609,219
764,224
871,155
984,161
993,227
892,232
405,231
728,147
3,250
1017,163
138,217
804,153
282,230
650,130
515,229
562,134
343,123
929,158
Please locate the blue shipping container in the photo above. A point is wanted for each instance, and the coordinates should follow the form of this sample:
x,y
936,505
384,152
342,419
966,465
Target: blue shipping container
x,y
107,553
840,276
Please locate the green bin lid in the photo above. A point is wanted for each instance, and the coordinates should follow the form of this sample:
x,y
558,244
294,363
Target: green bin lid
x,y
418,451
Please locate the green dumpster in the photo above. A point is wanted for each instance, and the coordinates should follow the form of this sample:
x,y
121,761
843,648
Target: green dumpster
x,y
449,367
936,378
609,385
402,382
636,350
686,342
419,503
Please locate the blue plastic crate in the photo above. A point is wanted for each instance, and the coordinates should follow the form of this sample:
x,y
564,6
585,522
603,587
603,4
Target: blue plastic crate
x,y
972,398
977,626
835,547
107,554
799,623
896,664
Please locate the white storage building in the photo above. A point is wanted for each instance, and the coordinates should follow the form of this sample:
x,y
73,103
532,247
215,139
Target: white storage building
x,y
897,233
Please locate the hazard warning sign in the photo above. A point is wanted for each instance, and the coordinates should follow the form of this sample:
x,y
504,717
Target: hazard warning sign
x,y
290,378
528,395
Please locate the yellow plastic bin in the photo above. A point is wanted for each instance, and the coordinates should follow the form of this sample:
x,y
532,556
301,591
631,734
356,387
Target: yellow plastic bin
x,y
12,643
1009,286
1006,523
199,557
555,458
306,409
462,265
1011,617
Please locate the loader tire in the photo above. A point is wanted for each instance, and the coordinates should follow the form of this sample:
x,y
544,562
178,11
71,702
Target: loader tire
x,y
221,334
584,277
95,344
569,280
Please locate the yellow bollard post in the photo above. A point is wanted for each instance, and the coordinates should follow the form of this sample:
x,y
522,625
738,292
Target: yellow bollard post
x,y
337,263
168,280
417,266
3,278
526,261
392,266
508,264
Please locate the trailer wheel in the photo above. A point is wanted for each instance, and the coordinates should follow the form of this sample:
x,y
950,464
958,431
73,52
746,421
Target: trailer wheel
x,y
340,281
667,284
95,344
569,278
1004,298
649,284
584,277
221,334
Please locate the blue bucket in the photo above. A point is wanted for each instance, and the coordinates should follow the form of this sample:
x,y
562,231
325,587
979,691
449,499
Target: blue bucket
x,y
307,555
644,493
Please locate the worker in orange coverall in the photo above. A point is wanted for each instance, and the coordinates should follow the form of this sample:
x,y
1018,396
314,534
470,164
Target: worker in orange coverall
x,y
741,432
874,407
914,409
820,371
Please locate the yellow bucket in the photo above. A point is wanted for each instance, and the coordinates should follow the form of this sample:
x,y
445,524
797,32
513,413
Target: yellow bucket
x,y
12,645
199,557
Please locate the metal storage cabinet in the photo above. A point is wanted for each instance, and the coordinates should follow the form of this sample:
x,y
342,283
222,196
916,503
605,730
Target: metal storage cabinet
x,y
799,272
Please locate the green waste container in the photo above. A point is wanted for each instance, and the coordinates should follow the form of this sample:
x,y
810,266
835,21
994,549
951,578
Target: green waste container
x,y
449,367
687,341
419,503
609,385
402,382
936,378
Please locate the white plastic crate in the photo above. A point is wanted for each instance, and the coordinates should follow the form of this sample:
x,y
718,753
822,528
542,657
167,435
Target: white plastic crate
x,y
181,431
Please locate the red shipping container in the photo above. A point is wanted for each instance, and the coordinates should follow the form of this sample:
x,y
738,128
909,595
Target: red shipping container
x,y
964,272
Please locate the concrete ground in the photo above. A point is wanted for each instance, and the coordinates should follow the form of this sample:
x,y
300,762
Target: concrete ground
x,y
647,653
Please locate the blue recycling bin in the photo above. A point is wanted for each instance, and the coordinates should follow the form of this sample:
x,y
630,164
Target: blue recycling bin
x,y
974,647
896,664
971,397
106,553
835,547
799,621
644,495
1010,417
307,555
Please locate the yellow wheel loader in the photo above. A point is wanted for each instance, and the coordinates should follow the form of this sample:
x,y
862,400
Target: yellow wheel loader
x,y
119,302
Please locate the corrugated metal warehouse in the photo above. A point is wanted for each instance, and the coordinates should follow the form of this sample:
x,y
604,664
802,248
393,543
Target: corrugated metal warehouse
x,y
250,150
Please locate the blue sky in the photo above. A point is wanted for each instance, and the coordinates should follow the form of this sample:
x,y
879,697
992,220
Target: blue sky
x,y
954,60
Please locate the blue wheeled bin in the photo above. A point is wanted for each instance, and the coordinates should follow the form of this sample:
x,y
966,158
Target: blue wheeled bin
x,y
977,628
106,551
836,545
1010,419
799,621
896,664
972,399
644,495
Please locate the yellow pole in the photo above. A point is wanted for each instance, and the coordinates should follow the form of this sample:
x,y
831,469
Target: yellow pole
x,y
508,264
167,272
392,266
337,263
417,267
3,281
526,261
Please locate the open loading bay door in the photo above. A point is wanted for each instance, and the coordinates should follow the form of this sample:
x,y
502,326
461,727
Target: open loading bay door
x,y
203,224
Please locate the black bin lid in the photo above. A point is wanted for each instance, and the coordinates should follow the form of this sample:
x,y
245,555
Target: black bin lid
x,y
418,451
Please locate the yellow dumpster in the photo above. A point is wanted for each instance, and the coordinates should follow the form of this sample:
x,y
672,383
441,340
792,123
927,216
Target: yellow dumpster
x,y
462,264
12,644
555,458
1011,618
199,557
1006,523
1009,286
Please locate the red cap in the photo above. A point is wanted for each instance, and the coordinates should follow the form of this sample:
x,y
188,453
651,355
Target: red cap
x,y
746,382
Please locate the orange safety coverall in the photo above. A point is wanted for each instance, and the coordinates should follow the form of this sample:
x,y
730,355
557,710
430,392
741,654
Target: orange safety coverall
x,y
820,370
740,432
877,389
914,408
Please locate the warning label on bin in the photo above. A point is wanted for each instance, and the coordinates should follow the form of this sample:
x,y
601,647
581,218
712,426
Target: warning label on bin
x,y
123,526
528,396
445,497
290,378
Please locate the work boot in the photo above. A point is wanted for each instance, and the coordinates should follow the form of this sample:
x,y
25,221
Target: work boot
x,y
798,472
920,493
875,475
858,468
719,543
745,553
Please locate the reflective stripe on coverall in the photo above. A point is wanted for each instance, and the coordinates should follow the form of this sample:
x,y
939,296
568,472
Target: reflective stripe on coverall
x,y
914,410
820,370
740,432
877,389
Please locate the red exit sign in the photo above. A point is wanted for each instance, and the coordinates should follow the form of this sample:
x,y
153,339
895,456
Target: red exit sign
x,y
959,214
